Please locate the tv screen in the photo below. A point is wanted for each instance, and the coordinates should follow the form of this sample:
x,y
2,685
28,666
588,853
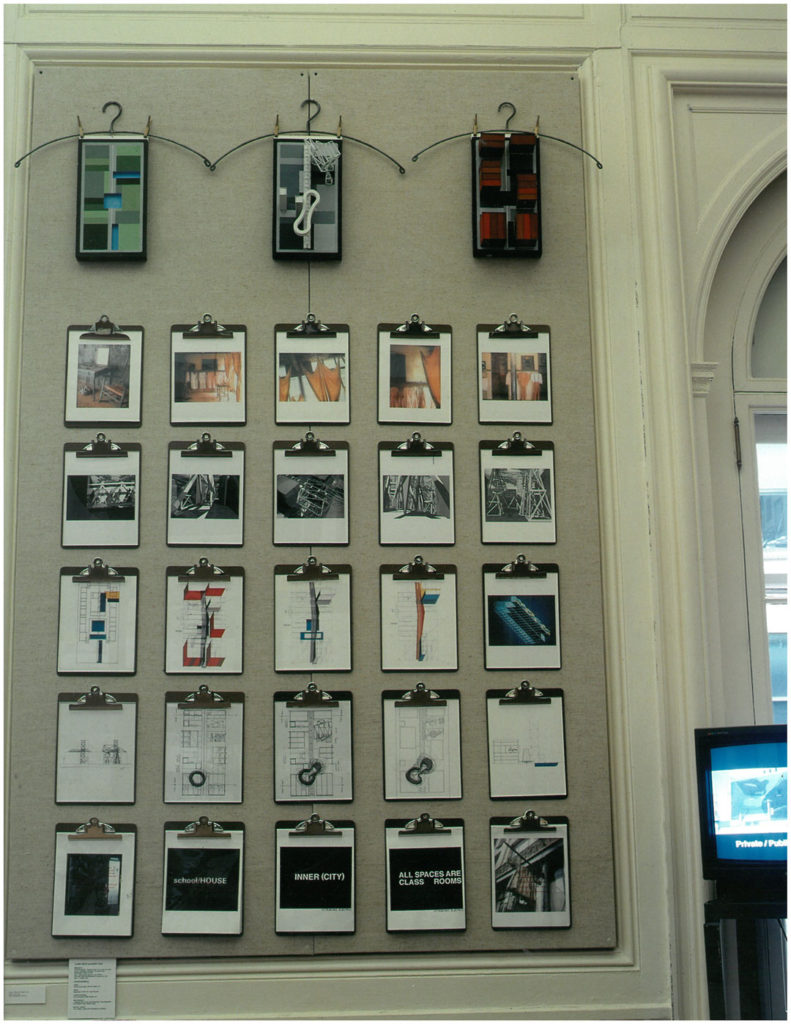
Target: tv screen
x,y
743,802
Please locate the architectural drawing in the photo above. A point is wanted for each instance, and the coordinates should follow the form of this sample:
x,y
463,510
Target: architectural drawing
x,y
203,754
422,755
201,605
418,624
98,624
312,624
96,752
313,754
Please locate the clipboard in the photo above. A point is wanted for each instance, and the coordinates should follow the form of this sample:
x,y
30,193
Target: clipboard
x,y
306,219
208,373
312,372
104,371
517,491
312,745
204,619
311,492
204,737
315,876
530,871
414,372
514,373
421,737
313,612
425,874
418,620
94,884
526,740
97,620
101,494
95,760
416,503
521,602
203,884
205,492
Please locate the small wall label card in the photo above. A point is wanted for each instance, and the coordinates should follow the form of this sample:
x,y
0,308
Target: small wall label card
x,y
414,372
530,872
206,492
312,372
204,618
306,222
204,734
425,874
422,744
313,614
418,617
311,491
514,384
94,879
203,879
96,748
527,749
208,368
315,876
416,492
101,494
517,491
521,613
97,620
104,369
313,746
111,203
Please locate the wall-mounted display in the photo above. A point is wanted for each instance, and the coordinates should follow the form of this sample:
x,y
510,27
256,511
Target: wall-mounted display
x,y
313,617
202,888
425,874
96,748
111,202
526,739
312,372
521,615
422,744
315,876
416,492
313,746
414,372
418,617
97,620
506,195
530,872
204,734
206,492
517,491
208,368
101,494
306,222
514,383
311,480
94,880
204,619
104,365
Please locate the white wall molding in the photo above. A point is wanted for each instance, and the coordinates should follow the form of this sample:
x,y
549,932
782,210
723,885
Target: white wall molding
x,y
702,376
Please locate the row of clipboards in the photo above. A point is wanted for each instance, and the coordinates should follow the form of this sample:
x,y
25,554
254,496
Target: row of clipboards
x,y
203,880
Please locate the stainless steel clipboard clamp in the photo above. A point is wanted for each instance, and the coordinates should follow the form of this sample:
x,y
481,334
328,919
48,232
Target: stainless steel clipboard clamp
x,y
414,327
104,330
421,696
203,697
513,327
208,327
309,445
415,444
529,822
311,326
418,569
95,829
312,697
203,570
315,825
203,828
98,572
96,700
102,448
205,445
423,825
521,567
311,570
516,444
525,694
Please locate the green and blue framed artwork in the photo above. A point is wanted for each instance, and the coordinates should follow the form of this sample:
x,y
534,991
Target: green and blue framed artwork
x,y
111,198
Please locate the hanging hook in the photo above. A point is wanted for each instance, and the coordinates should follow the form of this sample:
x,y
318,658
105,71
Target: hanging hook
x,y
506,103
306,103
113,103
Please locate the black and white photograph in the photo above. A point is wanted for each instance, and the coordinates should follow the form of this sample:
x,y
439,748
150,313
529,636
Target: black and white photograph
x,y
204,733
418,620
416,495
526,740
94,880
208,374
425,877
97,621
204,621
422,745
202,889
103,375
530,876
101,497
518,493
206,496
312,375
313,746
96,748
414,375
311,504
514,384
313,621
521,618
314,879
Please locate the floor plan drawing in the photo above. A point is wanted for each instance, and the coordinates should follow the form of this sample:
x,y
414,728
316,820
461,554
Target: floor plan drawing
x,y
313,752
203,754
422,754
526,748
312,624
98,623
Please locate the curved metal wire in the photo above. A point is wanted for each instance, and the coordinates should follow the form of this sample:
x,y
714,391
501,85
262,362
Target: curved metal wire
x,y
486,131
181,145
351,138
258,138
143,135
269,135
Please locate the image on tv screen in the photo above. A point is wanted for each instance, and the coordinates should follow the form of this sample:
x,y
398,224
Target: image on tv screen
x,y
750,796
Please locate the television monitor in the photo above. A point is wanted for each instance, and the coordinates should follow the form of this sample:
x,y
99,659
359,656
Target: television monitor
x,y
743,803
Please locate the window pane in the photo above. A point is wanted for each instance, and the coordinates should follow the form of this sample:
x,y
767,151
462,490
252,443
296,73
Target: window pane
x,y
768,354
771,453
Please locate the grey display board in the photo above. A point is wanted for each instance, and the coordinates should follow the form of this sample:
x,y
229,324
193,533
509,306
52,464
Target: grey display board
x,y
406,249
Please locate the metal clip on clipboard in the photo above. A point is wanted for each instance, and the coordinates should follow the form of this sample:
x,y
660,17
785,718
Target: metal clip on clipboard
x,y
95,829
315,826
206,446
102,448
311,569
97,572
104,330
207,327
203,570
312,697
516,445
424,825
513,327
530,822
415,445
418,569
95,700
204,829
521,566
525,694
414,327
311,325
309,445
420,696
203,697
